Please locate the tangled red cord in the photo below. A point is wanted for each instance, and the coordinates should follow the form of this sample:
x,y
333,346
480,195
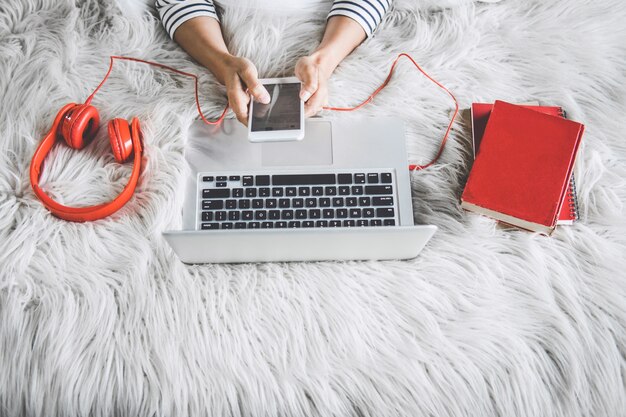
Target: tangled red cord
x,y
412,167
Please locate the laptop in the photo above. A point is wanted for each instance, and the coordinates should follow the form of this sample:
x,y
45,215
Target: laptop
x,y
341,193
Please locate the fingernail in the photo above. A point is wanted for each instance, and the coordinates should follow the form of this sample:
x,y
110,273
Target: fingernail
x,y
305,95
265,98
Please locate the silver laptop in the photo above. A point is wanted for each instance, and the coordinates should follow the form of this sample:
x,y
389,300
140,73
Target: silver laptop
x,y
341,193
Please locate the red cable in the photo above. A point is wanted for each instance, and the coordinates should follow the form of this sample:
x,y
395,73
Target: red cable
x,y
412,167
156,64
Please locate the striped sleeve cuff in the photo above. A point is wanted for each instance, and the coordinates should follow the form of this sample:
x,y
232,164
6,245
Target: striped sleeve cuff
x,y
367,13
174,13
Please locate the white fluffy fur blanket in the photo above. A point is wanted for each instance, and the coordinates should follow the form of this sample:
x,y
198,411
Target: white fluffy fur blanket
x,y
102,319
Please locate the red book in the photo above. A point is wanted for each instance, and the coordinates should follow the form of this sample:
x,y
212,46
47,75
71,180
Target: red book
x,y
522,172
480,113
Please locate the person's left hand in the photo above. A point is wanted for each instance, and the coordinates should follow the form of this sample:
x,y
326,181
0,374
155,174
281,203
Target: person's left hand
x,y
314,90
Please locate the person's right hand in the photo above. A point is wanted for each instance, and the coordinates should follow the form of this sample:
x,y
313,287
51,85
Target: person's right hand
x,y
242,80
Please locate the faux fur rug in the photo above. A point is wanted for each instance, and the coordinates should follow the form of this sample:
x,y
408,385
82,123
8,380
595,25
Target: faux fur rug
x,y
102,319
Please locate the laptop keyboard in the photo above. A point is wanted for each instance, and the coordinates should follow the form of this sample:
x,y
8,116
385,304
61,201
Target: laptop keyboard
x,y
300,200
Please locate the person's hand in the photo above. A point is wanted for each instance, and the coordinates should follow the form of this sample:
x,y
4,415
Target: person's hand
x,y
241,79
314,90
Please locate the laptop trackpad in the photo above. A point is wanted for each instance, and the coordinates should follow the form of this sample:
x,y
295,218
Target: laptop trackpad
x,y
316,148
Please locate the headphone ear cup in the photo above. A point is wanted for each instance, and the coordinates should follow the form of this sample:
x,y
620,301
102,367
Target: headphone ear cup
x,y
80,125
120,138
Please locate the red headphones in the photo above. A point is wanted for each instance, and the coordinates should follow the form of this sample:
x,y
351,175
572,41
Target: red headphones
x,y
77,124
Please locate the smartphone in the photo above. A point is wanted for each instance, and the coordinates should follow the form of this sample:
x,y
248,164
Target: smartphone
x,y
282,119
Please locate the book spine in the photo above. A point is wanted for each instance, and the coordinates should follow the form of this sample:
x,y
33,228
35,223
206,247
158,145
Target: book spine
x,y
572,200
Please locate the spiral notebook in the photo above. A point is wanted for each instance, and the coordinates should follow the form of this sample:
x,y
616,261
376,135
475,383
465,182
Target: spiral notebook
x,y
480,113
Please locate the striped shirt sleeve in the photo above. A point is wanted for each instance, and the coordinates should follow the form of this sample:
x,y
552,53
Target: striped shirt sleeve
x,y
174,13
367,13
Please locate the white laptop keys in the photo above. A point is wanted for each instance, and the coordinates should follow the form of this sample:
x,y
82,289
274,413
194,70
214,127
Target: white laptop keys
x,y
340,193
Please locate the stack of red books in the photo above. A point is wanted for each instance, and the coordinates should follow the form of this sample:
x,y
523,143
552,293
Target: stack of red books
x,y
523,168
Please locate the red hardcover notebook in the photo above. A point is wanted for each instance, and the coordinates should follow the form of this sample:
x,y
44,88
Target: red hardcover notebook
x,y
480,113
521,174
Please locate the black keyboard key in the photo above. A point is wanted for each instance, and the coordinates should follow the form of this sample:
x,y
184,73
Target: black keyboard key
x,y
298,202
344,190
334,223
310,202
212,204
244,204
317,191
264,192
277,192
220,184
315,213
227,225
247,215
349,223
304,179
342,213
368,212
207,178
338,202
355,213
250,192
220,216
385,178
372,178
300,214
260,215
365,201
294,224
233,216
221,178
231,204
207,216
376,222
284,203
286,214
324,202
330,191
357,190
291,191
344,178
328,213
280,225
270,203
351,201
234,178
382,201
378,189
274,214
267,225
238,192
359,178
321,223
240,225
385,212
362,223
247,181
262,180
210,226
216,193
257,203
304,191
307,223
389,222
254,225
